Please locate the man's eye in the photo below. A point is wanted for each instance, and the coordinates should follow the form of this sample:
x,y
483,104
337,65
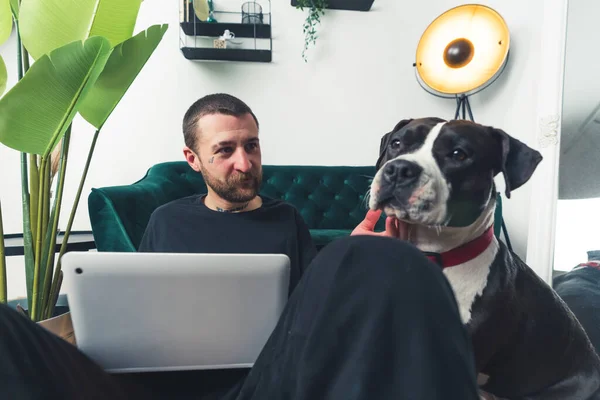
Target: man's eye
x,y
395,145
225,150
251,146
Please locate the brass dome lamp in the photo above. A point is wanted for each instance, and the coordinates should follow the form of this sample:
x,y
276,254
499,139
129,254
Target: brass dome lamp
x,y
462,52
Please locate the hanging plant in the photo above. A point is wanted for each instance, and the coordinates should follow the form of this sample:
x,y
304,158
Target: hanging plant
x,y
316,9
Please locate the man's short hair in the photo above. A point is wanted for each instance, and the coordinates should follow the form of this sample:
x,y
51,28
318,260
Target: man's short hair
x,y
218,103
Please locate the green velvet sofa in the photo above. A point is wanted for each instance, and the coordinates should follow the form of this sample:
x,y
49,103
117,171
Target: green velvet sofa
x,y
331,200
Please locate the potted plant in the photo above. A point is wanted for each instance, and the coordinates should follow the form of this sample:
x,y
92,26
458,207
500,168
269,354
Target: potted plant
x,y
316,9
71,60
349,5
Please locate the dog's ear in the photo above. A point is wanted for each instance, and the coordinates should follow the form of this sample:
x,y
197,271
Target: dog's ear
x,y
517,162
385,141
401,124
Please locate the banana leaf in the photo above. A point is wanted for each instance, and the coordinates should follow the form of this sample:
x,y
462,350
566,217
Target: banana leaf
x,y
115,20
14,7
3,76
26,205
46,25
5,21
37,111
123,66
3,280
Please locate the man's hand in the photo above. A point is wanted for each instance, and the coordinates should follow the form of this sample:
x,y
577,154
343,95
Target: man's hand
x,y
393,227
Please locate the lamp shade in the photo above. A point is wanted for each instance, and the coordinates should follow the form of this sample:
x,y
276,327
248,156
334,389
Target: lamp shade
x,y
462,50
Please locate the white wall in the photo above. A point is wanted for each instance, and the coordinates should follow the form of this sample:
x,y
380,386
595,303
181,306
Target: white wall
x,y
358,83
580,140
577,216
582,63
577,224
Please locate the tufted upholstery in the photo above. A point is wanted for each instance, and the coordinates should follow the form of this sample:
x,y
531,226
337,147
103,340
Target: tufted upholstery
x,y
331,200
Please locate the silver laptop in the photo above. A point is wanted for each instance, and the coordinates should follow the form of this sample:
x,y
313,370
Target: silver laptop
x,y
135,312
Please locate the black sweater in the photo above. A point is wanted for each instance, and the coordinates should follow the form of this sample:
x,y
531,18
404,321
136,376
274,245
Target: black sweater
x,y
187,226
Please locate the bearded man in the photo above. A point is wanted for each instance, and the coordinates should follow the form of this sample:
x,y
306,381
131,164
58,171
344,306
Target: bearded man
x,y
221,142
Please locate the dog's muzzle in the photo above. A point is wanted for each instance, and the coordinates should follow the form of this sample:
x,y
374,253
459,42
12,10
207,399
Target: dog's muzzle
x,y
398,180
402,173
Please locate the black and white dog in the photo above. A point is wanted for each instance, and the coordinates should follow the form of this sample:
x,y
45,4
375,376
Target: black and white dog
x,y
438,177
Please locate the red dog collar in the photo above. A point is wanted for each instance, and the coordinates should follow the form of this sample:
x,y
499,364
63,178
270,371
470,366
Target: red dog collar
x,y
591,264
464,253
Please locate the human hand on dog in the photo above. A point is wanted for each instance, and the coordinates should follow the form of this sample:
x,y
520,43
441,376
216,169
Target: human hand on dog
x,y
393,227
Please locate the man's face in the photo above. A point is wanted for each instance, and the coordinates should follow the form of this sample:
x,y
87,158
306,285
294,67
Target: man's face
x,y
228,156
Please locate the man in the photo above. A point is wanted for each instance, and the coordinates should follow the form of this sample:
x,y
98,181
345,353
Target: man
x,y
221,135
221,142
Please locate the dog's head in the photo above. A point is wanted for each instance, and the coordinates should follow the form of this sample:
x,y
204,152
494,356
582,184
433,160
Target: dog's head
x,y
436,172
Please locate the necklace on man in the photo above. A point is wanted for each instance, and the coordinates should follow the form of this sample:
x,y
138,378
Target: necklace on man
x,y
231,210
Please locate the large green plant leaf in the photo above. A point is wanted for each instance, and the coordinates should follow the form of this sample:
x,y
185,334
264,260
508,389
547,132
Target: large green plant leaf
x,y
48,24
37,111
123,66
115,19
5,20
3,76
14,6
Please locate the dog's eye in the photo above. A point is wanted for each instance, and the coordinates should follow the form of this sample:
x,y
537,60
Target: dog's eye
x,y
395,145
458,155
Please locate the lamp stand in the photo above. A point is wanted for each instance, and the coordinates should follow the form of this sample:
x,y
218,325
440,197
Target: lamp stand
x,y
462,105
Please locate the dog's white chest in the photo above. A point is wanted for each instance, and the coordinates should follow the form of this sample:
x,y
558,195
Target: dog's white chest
x,y
469,279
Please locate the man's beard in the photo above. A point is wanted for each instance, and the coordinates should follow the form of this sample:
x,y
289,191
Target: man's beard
x,y
237,188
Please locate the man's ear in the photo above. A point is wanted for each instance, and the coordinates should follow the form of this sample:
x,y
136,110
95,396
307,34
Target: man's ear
x,y
385,141
518,161
192,158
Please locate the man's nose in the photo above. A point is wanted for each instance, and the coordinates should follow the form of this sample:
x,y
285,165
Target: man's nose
x,y
402,172
242,163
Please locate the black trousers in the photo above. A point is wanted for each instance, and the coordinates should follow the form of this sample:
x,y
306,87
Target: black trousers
x,y
372,318
580,289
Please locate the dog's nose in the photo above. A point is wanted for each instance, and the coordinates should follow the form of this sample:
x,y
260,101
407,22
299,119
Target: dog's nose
x,y
402,172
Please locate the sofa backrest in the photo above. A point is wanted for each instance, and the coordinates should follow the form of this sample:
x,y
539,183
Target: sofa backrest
x,y
327,197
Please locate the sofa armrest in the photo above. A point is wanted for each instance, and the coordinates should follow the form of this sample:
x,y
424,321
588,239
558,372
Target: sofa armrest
x,y
108,205
110,231
119,214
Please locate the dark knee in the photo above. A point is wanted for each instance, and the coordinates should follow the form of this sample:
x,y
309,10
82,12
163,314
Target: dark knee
x,y
382,256
382,269
374,244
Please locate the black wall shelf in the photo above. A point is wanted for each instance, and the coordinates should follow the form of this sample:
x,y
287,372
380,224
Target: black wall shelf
x,y
349,5
251,28
215,29
207,54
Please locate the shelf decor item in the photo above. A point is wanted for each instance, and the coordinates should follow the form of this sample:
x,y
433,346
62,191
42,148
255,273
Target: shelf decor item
x,y
252,13
249,23
221,42
461,53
